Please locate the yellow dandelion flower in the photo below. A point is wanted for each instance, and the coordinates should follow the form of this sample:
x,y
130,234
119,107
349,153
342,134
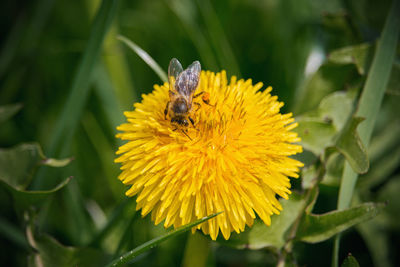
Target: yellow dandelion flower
x,y
234,159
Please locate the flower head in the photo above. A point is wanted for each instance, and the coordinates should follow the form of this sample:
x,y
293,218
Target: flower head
x,y
234,159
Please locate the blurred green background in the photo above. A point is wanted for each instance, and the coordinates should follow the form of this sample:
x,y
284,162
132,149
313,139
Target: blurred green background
x,y
281,43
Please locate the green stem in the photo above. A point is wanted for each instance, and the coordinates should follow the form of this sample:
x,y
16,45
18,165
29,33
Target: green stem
x,y
370,102
196,251
310,197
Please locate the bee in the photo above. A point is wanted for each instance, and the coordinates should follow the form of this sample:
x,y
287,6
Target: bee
x,y
183,84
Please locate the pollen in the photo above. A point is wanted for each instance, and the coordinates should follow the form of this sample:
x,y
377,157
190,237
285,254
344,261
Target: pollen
x,y
234,159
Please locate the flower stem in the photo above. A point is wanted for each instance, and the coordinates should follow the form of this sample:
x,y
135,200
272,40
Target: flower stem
x,y
197,250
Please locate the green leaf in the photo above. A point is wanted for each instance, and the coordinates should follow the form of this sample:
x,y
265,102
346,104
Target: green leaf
x,y
13,233
124,259
350,145
145,56
317,228
315,134
359,55
350,261
393,87
8,111
337,107
262,236
319,127
334,169
24,198
17,164
49,252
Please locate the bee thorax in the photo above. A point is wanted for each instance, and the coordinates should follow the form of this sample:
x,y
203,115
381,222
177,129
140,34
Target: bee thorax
x,y
180,106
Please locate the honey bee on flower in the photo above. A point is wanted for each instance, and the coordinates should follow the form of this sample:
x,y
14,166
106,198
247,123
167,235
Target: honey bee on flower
x,y
182,86
237,162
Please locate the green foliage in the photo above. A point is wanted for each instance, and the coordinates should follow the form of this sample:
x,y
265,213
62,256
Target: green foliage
x,y
49,252
130,255
350,145
146,58
317,228
8,111
350,261
64,66
262,236
17,166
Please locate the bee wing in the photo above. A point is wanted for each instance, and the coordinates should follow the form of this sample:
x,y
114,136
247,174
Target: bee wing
x,y
174,69
187,81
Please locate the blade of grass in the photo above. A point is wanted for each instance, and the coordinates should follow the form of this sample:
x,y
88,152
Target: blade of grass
x,y
196,251
112,222
185,11
145,56
150,244
67,123
126,234
104,89
105,151
370,102
114,61
13,234
25,35
218,37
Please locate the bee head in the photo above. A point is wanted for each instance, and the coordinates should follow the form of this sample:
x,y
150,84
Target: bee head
x,y
180,106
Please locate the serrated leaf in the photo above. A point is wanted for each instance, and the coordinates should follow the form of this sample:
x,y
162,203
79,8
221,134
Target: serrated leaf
x,y
49,252
337,107
350,261
124,259
7,111
319,128
315,134
273,236
24,198
317,228
359,55
17,164
350,145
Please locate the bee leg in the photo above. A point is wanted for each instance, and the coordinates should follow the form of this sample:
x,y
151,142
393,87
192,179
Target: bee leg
x,y
166,109
198,105
175,129
205,98
199,94
191,120
183,131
